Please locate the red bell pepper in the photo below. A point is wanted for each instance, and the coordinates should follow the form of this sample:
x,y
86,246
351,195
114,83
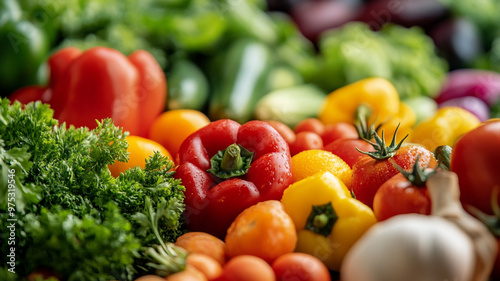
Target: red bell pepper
x,y
227,167
101,82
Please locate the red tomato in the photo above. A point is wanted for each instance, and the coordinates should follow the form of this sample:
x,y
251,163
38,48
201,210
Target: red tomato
x,y
300,267
339,130
368,174
346,149
285,131
399,196
310,125
304,141
475,160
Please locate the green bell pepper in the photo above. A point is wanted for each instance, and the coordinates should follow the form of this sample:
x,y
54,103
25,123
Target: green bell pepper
x,y
244,80
24,47
187,86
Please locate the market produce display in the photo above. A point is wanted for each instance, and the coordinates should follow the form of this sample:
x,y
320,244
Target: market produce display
x,y
249,140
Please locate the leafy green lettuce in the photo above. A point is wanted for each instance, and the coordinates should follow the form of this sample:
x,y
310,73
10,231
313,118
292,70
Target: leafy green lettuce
x,y
405,56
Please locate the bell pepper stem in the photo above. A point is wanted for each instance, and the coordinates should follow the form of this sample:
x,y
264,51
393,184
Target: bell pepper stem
x,y
321,219
232,158
233,161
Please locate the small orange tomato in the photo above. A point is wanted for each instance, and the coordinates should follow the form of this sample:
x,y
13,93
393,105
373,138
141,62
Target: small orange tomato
x,y
150,277
205,264
172,127
264,230
139,150
247,268
203,243
188,274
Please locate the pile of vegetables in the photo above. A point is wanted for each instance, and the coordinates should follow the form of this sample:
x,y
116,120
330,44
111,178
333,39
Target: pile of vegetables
x,y
238,140
241,186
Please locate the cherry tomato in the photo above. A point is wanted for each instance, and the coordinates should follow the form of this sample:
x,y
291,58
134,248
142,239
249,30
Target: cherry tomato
x,y
285,131
475,160
338,130
247,268
172,127
203,243
368,174
305,141
264,230
300,267
399,196
345,148
310,125
139,150
188,274
150,277
205,264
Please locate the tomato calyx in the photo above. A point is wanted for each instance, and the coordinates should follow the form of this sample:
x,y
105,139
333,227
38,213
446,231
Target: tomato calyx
x,y
234,161
366,131
382,151
491,221
416,176
321,219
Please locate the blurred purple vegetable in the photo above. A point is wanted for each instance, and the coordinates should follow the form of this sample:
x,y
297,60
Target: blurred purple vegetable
x,y
424,13
482,84
314,17
458,41
472,104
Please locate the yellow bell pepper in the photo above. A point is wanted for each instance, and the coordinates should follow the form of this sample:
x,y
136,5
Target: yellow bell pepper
x,y
380,96
443,128
328,220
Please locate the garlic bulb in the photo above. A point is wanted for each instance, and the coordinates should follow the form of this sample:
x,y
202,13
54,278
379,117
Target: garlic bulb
x,y
448,245
411,247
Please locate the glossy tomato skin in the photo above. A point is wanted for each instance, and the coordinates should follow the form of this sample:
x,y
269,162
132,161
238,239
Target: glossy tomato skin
x,y
339,130
305,141
399,196
476,161
300,267
345,148
310,125
368,174
247,268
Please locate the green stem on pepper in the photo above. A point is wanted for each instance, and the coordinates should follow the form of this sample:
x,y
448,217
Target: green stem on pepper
x,y
231,162
322,219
